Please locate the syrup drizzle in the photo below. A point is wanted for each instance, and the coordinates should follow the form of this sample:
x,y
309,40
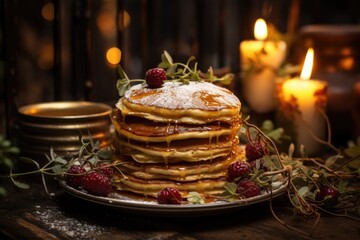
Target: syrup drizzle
x,y
212,100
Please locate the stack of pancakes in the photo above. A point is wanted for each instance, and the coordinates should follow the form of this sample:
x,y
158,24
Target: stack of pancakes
x,y
179,135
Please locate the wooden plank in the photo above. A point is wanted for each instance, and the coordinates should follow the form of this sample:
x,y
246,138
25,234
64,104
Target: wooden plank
x,y
31,214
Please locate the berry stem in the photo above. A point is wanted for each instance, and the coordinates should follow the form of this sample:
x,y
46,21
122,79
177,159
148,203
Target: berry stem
x,y
44,170
289,226
316,162
249,125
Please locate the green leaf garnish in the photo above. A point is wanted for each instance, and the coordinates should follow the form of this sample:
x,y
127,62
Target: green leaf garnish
x,y
2,192
353,151
19,184
231,188
175,71
185,73
195,198
124,83
6,152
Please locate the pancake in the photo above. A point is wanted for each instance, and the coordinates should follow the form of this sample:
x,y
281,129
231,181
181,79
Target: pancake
x,y
179,135
145,130
183,171
194,103
190,150
152,187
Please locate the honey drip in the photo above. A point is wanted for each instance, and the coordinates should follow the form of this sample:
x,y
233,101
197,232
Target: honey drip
x,y
210,139
160,147
176,127
141,94
168,142
209,99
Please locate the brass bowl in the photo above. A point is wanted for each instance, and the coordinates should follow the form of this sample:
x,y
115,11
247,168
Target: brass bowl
x,y
60,124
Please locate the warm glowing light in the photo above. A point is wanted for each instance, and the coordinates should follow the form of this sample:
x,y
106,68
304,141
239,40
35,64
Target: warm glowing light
x,y
106,23
46,55
47,11
113,55
260,29
124,20
347,63
308,64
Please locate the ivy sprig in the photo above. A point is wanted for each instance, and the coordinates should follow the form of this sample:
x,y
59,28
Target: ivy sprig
x,y
178,71
124,82
89,155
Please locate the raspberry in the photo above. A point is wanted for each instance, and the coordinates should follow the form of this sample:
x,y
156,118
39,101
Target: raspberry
x,y
327,192
240,169
74,175
105,169
96,183
248,188
169,195
155,77
255,150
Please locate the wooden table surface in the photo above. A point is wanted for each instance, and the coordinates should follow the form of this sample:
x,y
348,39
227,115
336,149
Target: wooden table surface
x,y
32,214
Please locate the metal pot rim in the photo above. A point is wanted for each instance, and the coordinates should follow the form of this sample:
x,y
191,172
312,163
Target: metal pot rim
x,y
65,110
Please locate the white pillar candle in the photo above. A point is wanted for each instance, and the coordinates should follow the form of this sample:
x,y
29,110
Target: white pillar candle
x,y
304,92
260,59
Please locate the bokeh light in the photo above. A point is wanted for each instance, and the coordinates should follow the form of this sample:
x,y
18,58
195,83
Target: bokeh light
x,y
124,20
113,55
106,23
47,11
46,55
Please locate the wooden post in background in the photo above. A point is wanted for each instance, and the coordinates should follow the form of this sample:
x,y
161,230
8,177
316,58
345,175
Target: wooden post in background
x,y
11,83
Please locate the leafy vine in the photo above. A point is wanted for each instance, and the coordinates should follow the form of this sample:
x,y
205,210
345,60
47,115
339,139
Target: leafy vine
x,y
175,71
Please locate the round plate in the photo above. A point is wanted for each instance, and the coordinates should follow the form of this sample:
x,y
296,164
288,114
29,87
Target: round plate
x,y
150,206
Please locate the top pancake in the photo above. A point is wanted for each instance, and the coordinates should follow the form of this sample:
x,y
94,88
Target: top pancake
x,y
195,102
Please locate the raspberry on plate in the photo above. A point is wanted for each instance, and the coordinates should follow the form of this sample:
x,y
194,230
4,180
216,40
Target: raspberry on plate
x,y
155,77
327,192
96,183
255,150
240,169
74,175
248,188
169,195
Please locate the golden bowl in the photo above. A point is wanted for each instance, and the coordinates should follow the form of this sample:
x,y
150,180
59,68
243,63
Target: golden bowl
x,y
60,124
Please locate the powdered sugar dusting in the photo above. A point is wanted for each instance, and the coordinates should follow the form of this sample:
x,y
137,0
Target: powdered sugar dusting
x,y
70,227
177,95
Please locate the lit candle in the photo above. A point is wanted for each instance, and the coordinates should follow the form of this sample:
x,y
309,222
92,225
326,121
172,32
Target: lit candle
x,y
304,93
260,60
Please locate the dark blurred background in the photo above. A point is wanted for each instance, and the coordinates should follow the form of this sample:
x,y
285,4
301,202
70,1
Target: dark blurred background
x,y
53,50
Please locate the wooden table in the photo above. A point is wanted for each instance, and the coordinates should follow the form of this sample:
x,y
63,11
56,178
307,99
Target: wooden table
x,y
32,214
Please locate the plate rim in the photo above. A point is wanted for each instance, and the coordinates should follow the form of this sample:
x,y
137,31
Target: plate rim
x,y
140,206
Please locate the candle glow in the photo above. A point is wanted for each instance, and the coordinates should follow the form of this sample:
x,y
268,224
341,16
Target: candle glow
x,y
304,90
260,59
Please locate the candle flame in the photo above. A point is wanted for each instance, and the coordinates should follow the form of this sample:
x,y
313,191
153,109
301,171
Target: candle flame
x,y
260,29
308,64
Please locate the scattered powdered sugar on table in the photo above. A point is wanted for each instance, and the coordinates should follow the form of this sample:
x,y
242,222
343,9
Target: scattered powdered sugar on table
x,y
178,95
71,227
